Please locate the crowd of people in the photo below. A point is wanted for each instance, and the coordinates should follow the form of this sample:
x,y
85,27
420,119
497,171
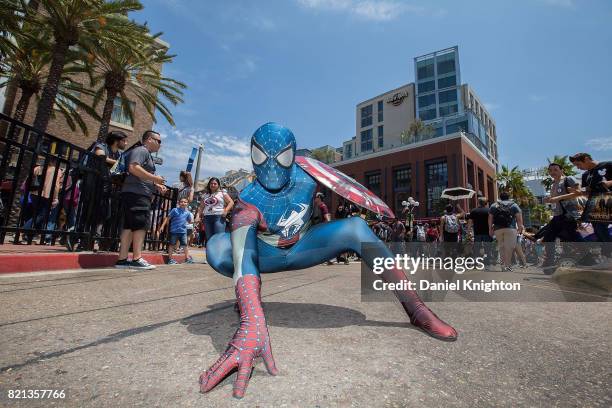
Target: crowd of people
x,y
495,230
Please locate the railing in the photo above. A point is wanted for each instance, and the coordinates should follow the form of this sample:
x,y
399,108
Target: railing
x,y
62,193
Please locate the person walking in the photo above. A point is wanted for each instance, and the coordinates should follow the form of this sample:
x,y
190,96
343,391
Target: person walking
x,y
478,220
505,221
564,223
596,181
214,207
136,198
449,231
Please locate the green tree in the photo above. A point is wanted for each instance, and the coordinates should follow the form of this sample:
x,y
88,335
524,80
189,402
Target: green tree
x,y
11,16
512,181
124,70
566,166
81,23
26,66
540,214
416,132
324,155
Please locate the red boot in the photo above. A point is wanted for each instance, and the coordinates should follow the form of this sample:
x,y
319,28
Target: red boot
x,y
250,341
419,314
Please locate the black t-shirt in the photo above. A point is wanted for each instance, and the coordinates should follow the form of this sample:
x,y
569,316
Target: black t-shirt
x,y
480,218
591,179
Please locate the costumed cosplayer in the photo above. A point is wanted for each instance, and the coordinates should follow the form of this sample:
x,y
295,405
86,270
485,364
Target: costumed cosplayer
x,y
271,232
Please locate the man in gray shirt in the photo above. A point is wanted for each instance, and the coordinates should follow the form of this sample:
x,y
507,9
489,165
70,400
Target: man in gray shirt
x,y
563,224
136,197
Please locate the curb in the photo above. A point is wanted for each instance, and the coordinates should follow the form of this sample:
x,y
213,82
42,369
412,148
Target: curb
x,y
36,262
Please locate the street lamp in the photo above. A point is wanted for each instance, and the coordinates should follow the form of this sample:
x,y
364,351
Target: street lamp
x,y
409,206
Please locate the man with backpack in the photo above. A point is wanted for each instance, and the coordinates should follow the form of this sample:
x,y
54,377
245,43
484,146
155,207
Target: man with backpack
x,y
505,222
449,225
449,230
563,224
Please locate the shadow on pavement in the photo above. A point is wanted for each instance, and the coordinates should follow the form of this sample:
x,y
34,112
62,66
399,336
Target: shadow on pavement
x,y
220,326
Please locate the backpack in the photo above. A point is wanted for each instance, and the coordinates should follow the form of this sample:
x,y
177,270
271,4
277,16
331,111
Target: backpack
x,y
450,224
420,233
503,217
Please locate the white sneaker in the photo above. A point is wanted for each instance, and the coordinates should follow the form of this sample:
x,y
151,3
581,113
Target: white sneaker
x,y
141,264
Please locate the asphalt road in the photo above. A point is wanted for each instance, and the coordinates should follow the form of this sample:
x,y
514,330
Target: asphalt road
x,y
116,338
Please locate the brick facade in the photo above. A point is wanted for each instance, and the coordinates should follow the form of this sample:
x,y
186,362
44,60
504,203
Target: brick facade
x,y
458,153
59,127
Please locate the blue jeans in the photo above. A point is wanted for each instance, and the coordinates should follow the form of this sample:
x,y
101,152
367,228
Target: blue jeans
x,y
213,224
180,237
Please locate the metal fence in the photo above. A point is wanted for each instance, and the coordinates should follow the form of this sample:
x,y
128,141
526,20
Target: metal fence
x,y
54,192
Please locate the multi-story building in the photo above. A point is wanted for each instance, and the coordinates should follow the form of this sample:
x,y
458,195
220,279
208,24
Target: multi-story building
x,y
455,146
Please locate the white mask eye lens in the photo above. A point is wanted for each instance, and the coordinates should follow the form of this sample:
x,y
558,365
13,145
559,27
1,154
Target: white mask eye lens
x,y
285,158
257,155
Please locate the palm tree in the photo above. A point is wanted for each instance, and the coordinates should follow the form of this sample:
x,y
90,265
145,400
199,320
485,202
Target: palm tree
x,y
566,166
76,23
11,12
511,180
417,131
26,66
123,70
540,214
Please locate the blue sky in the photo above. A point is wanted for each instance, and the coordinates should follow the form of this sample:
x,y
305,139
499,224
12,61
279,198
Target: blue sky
x,y
543,67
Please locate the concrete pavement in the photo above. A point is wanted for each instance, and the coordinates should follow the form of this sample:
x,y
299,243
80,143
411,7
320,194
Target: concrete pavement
x,y
117,338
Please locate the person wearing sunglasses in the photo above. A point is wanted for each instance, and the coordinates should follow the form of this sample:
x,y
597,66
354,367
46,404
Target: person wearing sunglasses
x,y
136,198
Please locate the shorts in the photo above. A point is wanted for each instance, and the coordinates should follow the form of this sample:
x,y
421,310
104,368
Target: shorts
x,y
136,211
181,237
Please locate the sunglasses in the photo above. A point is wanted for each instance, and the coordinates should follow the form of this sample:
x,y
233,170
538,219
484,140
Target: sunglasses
x,y
157,140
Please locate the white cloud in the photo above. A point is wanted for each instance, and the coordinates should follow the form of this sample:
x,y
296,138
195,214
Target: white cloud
x,y
537,98
491,106
600,144
374,10
222,152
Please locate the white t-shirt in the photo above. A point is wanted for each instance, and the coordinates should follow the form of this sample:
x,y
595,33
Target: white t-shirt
x,y
213,203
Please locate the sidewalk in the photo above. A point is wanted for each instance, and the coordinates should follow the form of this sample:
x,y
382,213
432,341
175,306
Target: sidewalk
x,y
34,258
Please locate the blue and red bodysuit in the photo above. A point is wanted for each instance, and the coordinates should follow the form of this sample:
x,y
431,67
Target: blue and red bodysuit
x,y
271,232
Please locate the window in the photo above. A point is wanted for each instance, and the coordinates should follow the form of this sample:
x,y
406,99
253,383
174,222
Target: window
x,y
120,115
447,96
457,127
380,136
366,116
348,151
380,111
427,114
436,180
427,100
448,110
447,82
366,140
446,63
427,86
373,183
425,69
401,178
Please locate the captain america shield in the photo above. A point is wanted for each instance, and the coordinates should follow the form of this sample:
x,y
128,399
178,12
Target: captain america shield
x,y
344,186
